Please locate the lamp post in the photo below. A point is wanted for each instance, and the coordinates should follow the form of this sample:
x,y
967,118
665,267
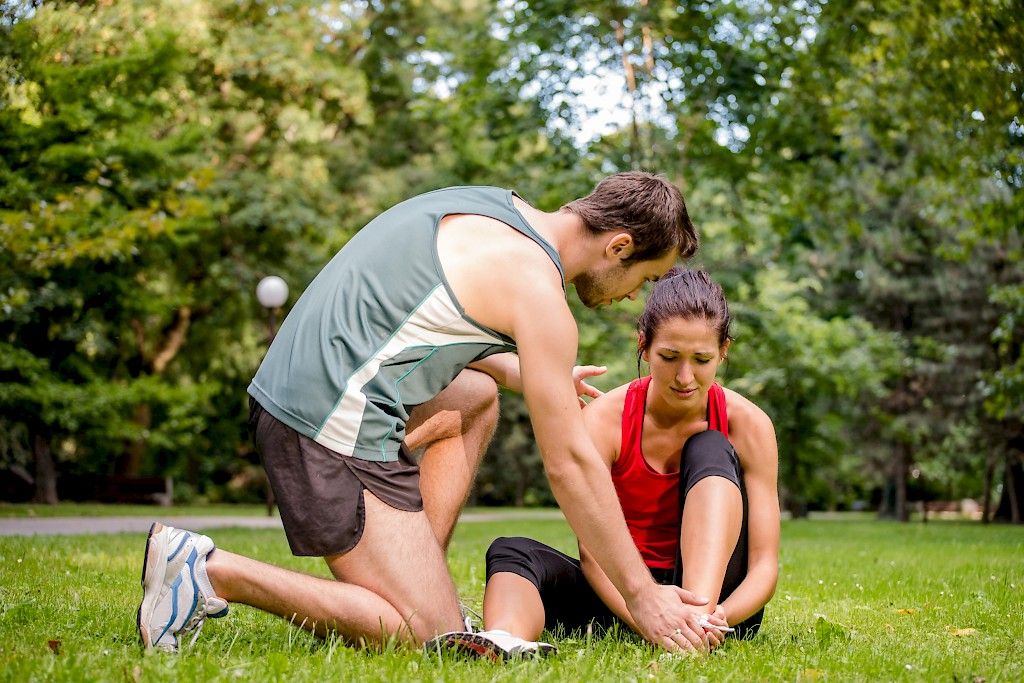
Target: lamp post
x,y
272,293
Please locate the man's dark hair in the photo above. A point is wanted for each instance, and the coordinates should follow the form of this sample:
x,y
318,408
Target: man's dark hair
x,y
645,205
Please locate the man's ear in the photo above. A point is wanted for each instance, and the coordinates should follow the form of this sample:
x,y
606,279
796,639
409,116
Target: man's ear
x,y
620,246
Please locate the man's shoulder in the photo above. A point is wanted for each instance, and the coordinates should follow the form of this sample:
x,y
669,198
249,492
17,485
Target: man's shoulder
x,y
455,188
502,251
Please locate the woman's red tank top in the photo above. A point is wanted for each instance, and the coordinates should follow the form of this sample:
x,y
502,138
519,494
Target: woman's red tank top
x,y
650,499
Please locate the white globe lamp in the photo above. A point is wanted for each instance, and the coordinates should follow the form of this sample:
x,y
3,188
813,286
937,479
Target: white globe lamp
x,y
272,292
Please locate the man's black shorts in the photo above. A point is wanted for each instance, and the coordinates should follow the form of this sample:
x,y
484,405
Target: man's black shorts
x,y
320,492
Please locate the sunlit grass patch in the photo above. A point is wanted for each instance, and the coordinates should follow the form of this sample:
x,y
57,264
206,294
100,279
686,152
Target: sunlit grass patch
x,y
856,600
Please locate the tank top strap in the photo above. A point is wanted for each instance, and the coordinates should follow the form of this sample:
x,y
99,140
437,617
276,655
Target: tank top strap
x,y
484,200
632,422
718,418
519,222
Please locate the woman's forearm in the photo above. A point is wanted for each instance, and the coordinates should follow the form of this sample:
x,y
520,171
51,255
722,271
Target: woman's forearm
x,y
503,369
602,585
752,594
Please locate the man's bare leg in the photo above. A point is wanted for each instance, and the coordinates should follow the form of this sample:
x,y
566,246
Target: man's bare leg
x,y
455,427
395,578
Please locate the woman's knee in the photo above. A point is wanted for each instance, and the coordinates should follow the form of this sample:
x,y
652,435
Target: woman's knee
x,y
709,454
708,444
514,554
506,548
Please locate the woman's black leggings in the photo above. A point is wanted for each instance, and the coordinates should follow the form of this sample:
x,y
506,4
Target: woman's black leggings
x,y
570,603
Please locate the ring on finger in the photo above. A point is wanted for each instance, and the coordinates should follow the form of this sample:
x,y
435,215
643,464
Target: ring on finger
x,y
678,632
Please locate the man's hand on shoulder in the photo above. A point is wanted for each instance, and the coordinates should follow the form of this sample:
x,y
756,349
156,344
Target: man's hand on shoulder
x,y
580,374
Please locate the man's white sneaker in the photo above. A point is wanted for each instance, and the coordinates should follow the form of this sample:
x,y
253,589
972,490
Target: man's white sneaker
x,y
493,645
177,595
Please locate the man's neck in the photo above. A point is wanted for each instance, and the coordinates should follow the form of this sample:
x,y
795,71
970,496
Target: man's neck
x,y
565,232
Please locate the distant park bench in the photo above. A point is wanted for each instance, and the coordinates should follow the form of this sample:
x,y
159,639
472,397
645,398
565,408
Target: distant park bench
x,y
117,489
948,509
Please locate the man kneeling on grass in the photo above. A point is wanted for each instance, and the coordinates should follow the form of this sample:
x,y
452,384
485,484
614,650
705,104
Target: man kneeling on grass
x,y
695,468
397,347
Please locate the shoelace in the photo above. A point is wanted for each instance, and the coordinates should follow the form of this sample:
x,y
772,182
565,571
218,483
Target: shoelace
x,y
467,617
195,622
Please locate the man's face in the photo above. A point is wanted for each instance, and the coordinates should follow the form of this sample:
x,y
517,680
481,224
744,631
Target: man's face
x,y
620,280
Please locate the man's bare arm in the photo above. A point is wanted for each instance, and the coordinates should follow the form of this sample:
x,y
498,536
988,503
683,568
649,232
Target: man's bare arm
x,y
546,336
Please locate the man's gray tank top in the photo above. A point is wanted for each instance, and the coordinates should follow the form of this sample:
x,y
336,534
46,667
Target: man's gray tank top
x,y
379,331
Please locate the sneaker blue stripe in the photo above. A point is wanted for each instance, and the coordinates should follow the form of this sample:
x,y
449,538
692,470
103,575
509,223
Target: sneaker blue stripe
x,y
184,539
174,608
191,561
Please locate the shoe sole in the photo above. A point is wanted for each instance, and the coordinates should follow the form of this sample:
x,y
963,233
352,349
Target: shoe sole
x,y
153,575
470,643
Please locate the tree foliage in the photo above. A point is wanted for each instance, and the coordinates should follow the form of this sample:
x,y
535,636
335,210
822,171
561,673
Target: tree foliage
x,y
854,170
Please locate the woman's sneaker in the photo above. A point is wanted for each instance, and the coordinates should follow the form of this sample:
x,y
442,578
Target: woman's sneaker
x,y
493,645
177,595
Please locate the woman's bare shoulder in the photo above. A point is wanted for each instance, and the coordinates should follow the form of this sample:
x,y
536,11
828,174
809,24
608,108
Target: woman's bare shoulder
x,y
744,410
749,426
603,417
610,402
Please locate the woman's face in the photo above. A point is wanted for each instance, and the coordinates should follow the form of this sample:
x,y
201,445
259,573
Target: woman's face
x,y
684,356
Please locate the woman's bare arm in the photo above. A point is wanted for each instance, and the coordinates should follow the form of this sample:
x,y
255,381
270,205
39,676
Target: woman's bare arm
x,y
604,589
504,369
753,434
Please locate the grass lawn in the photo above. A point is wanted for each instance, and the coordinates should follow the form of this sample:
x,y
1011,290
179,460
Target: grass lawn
x,y
23,510
28,510
857,600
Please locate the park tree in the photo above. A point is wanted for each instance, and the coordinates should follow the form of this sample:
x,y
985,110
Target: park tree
x,y
853,169
847,147
693,83
898,141
155,164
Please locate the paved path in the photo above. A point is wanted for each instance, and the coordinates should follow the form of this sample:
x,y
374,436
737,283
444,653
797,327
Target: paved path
x,y
52,526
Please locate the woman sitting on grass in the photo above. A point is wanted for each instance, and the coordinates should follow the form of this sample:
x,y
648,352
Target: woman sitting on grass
x,y
695,468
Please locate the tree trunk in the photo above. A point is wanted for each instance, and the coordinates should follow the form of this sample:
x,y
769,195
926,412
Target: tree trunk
x,y
900,479
134,453
522,479
46,471
131,461
627,68
795,467
887,506
1009,509
797,507
894,495
986,505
